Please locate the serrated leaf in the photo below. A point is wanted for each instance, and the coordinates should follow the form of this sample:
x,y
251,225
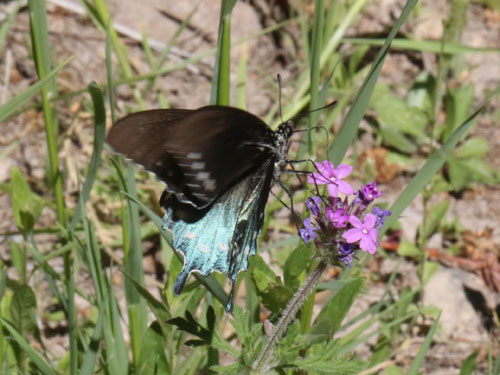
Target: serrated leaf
x,y
221,344
273,295
190,325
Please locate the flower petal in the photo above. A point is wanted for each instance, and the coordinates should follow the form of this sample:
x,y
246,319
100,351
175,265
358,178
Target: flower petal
x,y
333,190
353,235
356,223
368,245
370,220
317,178
343,170
373,233
344,187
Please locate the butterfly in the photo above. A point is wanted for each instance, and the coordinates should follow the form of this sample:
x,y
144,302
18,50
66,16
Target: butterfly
x,y
219,165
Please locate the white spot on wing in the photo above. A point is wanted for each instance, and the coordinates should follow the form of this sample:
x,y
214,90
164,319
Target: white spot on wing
x,y
190,235
204,249
209,184
223,246
198,165
194,155
202,176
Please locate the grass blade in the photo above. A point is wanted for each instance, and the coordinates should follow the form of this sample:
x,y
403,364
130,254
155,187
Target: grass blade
x,y
99,135
4,28
435,46
351,122
419,358
36,358
315,70
222,68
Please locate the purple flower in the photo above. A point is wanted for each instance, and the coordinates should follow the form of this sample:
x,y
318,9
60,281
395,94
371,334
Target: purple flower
x,y
328,174
338,217
368,193
381,215
307,233
363,232
313,205
346,253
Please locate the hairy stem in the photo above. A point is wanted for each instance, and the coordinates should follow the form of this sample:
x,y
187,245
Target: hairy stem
x,y
260,365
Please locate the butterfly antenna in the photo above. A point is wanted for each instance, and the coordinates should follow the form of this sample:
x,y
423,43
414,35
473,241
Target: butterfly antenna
x,y
279,97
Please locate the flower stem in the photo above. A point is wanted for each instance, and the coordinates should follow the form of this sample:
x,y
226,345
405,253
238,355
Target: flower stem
x,y
260,365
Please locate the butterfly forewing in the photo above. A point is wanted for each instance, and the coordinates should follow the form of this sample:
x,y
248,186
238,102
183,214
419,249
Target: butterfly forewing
x,y
199,154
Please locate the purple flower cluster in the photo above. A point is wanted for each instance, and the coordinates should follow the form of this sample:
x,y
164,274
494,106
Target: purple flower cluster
x,y
340,226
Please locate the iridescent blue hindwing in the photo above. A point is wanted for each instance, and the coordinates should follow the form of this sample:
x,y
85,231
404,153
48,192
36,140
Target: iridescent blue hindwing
x,y
222,236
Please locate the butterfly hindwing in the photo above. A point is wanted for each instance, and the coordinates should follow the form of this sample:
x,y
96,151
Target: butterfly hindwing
x,y
222,237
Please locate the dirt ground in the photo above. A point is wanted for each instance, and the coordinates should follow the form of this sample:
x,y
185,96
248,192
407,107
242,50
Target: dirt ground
x,y
455,288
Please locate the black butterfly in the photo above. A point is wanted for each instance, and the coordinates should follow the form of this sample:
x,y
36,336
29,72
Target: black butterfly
x,y
219,164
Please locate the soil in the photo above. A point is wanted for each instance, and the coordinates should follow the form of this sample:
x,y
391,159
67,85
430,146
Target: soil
x,y
457,286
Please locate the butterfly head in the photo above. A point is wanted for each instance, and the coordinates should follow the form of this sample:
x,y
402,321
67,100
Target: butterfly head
x,y
285,129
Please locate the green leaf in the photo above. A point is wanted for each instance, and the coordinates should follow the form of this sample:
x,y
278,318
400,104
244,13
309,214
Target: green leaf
x,y
474,147
272,293
394,113
26,206
334,312
23,310
18,257
429,269
420,94
458,174
408,249
458,104
190,325
469,364
296,263
396,139
153,357
323,359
